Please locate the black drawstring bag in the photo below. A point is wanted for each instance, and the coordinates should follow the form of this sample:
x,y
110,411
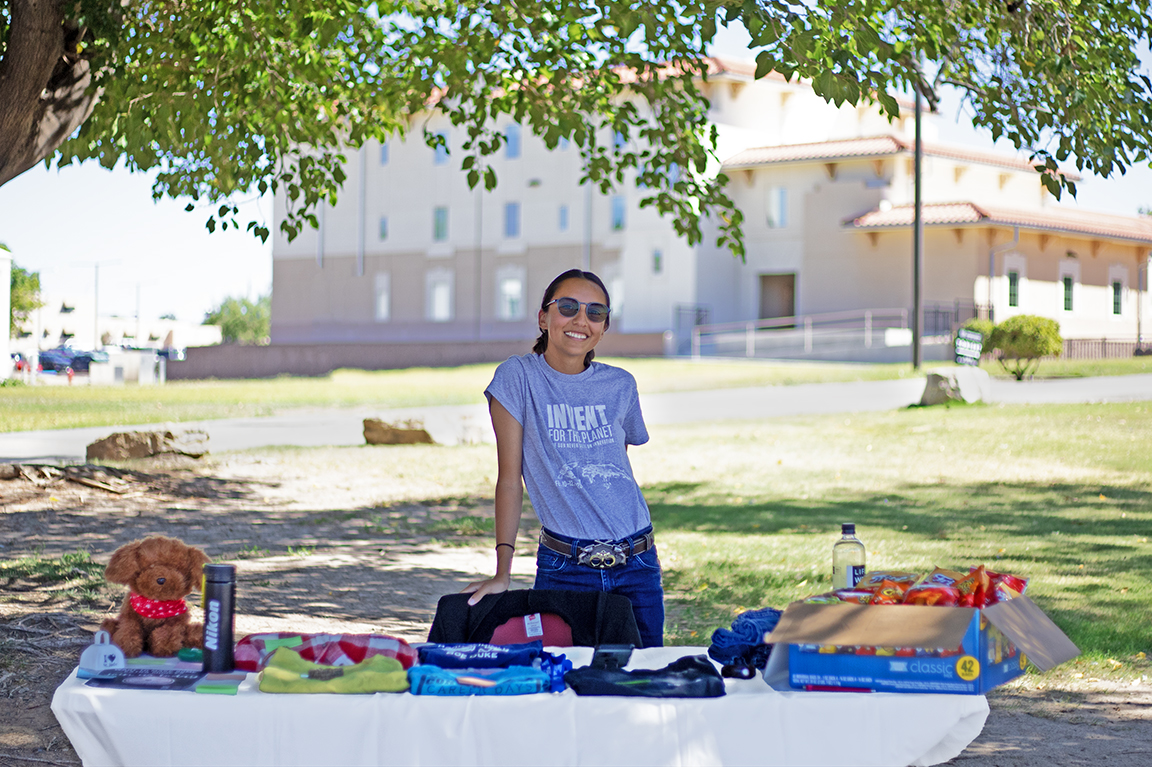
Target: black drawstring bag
x,y
690,677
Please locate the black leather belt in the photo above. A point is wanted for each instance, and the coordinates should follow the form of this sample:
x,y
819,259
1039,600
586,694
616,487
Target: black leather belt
x,y
600,554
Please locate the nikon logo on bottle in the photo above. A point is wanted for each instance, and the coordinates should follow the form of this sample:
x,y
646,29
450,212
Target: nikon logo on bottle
x,y
212,630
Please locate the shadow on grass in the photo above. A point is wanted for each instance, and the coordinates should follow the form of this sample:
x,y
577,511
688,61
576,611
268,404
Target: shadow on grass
x,y
929,511
1090,537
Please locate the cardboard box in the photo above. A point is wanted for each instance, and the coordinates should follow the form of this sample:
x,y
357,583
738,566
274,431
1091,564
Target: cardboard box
x,y
914,648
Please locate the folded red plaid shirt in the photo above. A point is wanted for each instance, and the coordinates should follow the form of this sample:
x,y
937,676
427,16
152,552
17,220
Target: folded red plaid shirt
x,y
253,651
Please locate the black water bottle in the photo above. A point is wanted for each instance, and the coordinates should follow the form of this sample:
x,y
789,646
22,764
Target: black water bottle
x,y
219,601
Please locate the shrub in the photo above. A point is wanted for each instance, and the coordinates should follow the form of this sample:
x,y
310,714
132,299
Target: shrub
x,y
1022,340
984,328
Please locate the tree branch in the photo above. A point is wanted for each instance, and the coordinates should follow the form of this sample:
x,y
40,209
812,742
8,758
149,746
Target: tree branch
x,y
44,84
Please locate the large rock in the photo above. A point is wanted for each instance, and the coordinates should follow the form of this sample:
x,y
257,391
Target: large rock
x,y
143,444
377,432
959,384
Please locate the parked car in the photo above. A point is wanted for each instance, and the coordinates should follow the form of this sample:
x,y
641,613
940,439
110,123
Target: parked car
x,y
56,360
82,361
171,353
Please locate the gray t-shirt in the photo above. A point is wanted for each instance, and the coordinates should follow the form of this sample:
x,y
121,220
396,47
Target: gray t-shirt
x,y
576,428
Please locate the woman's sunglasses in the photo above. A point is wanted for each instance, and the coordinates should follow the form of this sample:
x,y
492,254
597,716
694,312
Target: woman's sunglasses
x,y
570,307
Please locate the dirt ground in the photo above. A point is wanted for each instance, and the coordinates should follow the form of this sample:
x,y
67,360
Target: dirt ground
x,y
318,553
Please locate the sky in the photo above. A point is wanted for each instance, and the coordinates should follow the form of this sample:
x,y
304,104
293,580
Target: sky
x,y
63,223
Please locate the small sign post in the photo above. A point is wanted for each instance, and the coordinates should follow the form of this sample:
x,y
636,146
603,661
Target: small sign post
x,y
969,344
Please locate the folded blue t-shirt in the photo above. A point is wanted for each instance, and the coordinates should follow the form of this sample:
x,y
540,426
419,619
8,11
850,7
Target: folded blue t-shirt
x,y
518,680
476,655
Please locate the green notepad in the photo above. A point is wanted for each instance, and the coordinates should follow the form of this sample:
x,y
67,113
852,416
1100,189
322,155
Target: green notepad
x,y
221,684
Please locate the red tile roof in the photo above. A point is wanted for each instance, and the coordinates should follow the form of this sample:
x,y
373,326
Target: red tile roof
x,y
1067,220
721,65
872,146
714,66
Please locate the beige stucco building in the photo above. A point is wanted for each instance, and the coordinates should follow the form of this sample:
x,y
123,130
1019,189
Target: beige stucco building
x,y
410,254
994,237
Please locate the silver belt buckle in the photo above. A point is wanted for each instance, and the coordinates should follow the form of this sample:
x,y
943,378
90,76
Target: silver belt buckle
x,y
602,555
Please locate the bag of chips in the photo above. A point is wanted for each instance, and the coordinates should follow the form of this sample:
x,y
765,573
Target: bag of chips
x,y
822,599
974,588
889,593
935,588
1004,587
938,596
873,581
940,577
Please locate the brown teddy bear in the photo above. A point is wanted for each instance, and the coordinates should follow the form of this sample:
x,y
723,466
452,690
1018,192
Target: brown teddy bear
x,y
160,572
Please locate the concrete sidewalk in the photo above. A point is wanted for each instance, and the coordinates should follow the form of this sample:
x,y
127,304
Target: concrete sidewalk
x,y
469,424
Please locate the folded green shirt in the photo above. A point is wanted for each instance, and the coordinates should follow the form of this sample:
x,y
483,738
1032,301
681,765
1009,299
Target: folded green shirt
x,y
288,672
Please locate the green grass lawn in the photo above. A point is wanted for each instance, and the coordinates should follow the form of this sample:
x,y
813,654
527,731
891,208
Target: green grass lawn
x,y
24,408
746,513
1063,368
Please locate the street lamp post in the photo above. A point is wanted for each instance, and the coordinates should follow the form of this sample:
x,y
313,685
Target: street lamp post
x,y
917,241
96,299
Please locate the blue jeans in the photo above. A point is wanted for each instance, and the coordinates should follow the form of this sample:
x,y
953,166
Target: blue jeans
x,y
638,579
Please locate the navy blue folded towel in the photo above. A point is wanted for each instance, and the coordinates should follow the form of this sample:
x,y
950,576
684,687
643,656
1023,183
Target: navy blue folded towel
x,y
743,644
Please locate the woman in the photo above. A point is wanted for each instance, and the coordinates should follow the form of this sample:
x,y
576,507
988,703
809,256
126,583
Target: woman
x,y
563,423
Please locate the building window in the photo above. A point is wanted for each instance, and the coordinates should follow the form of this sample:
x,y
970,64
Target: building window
x,y
441,155
512,220
563,218
439,224
776,207
383,228
439,297
657,261
384,153
510,293
1068,283
618,213
512,142
1117,297
383,296
1013,288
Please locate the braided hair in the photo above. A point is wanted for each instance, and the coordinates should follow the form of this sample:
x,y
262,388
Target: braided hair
x,y
550,293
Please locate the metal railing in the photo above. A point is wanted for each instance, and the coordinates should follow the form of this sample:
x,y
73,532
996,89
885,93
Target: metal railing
x,y
803,333
1102,348
942,319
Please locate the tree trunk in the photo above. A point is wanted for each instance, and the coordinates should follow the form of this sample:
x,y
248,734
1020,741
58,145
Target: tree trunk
x,y
44,85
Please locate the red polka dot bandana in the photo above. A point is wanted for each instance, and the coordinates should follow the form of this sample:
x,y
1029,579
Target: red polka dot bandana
x,y
157,608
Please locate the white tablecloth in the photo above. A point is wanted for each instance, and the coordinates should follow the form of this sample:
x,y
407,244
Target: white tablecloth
x,y
752,725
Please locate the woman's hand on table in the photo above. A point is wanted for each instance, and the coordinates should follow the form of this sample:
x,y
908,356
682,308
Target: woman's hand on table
x,y
480,589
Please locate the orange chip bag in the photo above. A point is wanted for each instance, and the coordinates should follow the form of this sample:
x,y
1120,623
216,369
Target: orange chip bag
x,y
873,581
889,593
854,596
927,594
974,588
940,577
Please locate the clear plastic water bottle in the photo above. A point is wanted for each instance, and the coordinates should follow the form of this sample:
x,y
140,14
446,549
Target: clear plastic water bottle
x,y
847,559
